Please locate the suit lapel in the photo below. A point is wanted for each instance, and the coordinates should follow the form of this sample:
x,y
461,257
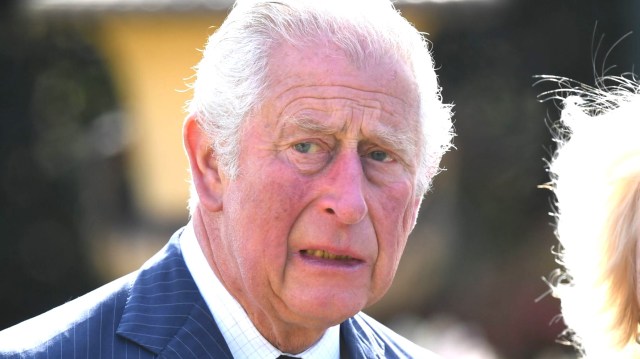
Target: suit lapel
x,y
359,341
165,312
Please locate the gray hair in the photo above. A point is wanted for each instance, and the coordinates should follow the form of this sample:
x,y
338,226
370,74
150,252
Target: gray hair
x,y
231,77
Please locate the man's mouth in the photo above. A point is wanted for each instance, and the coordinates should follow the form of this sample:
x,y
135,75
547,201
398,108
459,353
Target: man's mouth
x,y
319,253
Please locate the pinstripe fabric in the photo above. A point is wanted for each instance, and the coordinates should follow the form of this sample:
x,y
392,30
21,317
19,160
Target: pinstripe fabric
x,y
158,312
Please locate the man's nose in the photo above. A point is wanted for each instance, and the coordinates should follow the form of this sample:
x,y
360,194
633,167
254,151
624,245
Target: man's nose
x,y
344,192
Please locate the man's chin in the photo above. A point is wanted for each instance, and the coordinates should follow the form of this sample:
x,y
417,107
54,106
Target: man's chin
x,y
328,309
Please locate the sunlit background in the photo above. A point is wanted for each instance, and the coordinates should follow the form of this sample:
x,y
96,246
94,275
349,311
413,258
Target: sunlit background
x,y
93,177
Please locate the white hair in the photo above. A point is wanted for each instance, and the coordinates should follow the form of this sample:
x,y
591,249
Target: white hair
x,y
231,77
596,180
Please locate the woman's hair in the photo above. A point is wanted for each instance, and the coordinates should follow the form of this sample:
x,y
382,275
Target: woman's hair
x,y
231,78
595,175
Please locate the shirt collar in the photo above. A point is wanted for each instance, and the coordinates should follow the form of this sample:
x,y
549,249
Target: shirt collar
x,y
242,337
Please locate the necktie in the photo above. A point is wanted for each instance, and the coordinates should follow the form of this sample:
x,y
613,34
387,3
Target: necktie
x,y
287,357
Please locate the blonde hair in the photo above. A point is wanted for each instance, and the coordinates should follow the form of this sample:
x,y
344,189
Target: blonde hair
x,y
595,175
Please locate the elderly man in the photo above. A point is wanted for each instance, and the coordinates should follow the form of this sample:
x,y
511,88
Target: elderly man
x,y
314,132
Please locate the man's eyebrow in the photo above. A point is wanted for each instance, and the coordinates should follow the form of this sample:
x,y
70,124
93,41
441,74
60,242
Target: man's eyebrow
x,y
404,140
309,124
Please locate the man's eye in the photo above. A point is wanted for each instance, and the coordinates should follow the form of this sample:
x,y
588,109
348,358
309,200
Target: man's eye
x,y
304,147
379,156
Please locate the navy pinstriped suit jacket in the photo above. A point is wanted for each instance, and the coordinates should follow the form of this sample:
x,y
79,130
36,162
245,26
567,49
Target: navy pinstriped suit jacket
x,y
158,312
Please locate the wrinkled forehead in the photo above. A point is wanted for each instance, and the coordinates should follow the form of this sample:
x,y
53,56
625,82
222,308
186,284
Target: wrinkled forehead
x,y
340,106
322,66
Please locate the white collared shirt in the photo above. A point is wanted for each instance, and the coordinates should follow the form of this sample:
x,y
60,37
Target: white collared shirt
x,y
242,337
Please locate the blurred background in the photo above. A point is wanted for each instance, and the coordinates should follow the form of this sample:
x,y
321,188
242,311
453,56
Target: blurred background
x,y
93,179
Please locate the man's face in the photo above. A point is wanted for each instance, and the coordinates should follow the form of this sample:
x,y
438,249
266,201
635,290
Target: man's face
x,y
314,225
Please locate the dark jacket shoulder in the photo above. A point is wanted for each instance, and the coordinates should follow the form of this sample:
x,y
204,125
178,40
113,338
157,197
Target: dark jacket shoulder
x,y
56,329
155,312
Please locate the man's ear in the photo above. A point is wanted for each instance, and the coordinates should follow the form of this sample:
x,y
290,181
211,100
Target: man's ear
x,y
203,162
